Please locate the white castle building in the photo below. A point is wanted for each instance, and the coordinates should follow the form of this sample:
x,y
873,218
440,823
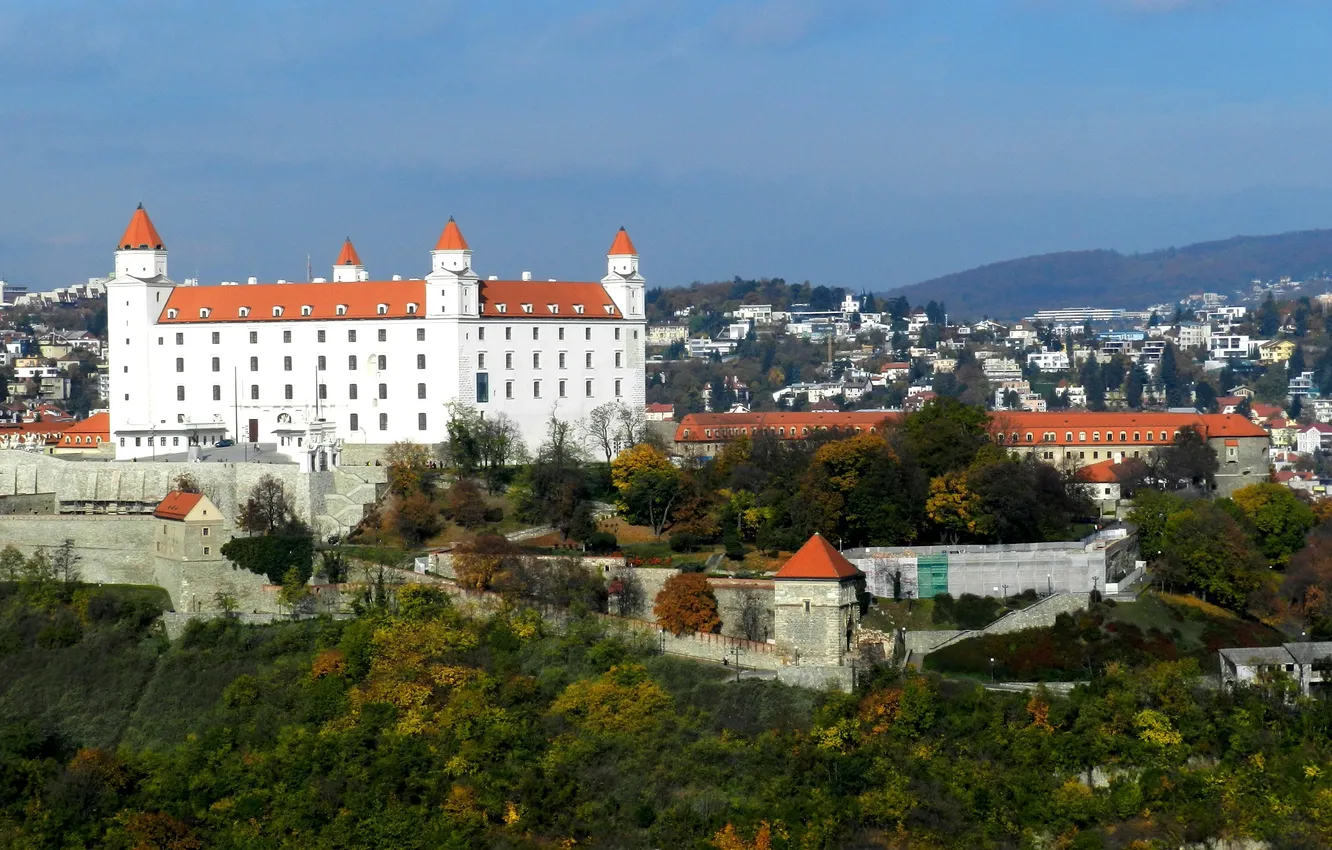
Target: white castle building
x,y
314,366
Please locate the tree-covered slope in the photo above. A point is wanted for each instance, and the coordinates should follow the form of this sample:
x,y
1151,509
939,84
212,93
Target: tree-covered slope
x,y
423,728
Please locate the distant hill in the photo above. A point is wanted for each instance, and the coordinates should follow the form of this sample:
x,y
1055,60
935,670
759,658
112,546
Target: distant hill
x,y
1017,288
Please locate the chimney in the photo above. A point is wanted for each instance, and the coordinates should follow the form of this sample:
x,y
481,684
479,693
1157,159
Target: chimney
x,y
527,275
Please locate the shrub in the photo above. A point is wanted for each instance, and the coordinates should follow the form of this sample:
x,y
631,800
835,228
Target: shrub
x,y
600,542
684,541
272,555
495,514
686,603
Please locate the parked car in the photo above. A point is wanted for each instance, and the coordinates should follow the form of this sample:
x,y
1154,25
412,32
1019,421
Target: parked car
x,y
222,444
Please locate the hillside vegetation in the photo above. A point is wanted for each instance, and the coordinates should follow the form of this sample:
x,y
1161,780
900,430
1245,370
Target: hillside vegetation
x,y
1016,288
415,726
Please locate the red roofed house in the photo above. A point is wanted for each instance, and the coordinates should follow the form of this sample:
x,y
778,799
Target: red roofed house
x,y
1100,481
815,607
89,436
191,527
660,412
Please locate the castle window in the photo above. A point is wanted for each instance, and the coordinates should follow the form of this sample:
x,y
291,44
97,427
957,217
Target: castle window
x,y
277,312
254,337
1096,436
381,309
355,423
351,335
1123,436
587,333
1029,437
383,390
420,361
204,312
254,364
217,392
383,362
617,387
420,421
587,388
578,308
554,308
563,384
561,359
561,333
383,335
180,364
508,360
610,309
536,389
171,314
1082,436
1068,436
420,390
536,333
306,309
536,359
286,392
322,363
341,310
244,312
508,389
527,308
411,310
617,334
1137,436
501,308
254,392
420,334
351,392
180,393
351,362
286,336
618,360
383,421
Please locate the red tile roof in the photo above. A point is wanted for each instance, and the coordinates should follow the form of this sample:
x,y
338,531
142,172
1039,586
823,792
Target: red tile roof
x,y
1105,472
1029,429
177,505
660,407
817,559
97,425
140,233
622,244
362,300
348,255
46,429
451,239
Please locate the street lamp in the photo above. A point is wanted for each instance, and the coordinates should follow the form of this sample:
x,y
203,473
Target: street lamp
x,y
992,670
1005,593
1049,585
662,641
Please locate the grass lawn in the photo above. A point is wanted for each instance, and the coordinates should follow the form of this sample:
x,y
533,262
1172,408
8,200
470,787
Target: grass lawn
x,y
888,616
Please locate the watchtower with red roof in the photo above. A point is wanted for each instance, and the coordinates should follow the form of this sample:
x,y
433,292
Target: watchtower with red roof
x,y
815,606
190,528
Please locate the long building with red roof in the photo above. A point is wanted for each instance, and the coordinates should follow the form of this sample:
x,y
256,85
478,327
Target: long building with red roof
x,y
314,366
1061,438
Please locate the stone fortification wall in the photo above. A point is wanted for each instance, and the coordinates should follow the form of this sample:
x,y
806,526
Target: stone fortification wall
x,y
332,502
1040,615
121,550
111,549
362,454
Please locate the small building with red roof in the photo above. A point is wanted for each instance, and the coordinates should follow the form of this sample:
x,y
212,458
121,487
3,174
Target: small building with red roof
x,y
659,412
91,436
815,608
190,527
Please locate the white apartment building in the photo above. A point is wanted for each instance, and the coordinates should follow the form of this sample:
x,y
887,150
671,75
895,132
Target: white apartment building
x,y
1193,335
1049,361
1230,345
319,365
760,314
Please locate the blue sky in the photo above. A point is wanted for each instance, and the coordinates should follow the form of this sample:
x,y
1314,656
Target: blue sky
x,y
864,144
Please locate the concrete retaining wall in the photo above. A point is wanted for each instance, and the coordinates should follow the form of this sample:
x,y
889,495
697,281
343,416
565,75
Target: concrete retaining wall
x,y
111,549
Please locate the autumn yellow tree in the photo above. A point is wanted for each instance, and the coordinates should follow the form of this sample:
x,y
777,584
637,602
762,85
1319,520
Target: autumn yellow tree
x,y
686,603
953,506
476,563
409,468
623,699
632,462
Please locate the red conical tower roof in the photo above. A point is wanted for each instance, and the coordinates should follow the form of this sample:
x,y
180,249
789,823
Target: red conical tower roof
x,y
140,234
348,257
451,239
817,559
621,245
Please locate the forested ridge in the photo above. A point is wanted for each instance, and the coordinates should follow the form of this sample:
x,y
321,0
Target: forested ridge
x,y
415,726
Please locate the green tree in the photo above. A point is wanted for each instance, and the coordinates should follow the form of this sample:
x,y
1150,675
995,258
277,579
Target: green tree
x,y
944,435
1207,549
1279,518
1152,510
267,510
1133,387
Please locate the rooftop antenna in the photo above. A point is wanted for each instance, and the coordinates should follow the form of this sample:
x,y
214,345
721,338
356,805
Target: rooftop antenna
x,y
308,272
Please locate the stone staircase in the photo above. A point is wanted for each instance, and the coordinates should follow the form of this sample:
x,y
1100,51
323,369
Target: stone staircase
x,y
352,490
1042,613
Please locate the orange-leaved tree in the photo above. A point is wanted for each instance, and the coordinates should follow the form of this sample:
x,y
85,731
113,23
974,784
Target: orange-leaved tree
x,y
686,603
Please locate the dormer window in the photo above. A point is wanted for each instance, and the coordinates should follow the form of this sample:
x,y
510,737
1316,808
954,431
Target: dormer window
x,y
610,309
342,310
501,308
244,312
277,312
527,308
411,309
204,312
578,308
554,308
306,309
381,309
171,314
